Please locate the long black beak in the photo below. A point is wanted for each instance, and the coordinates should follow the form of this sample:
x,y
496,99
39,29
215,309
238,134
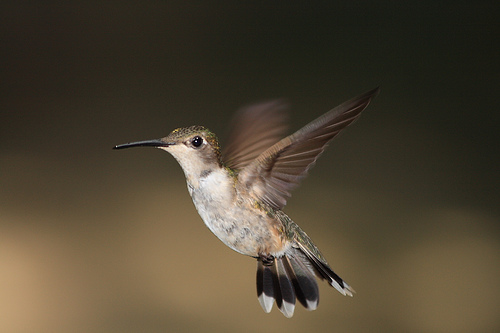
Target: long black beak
x,y
147,143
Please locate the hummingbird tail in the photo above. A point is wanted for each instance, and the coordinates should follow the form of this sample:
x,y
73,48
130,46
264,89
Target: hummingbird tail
x,y
325,272
293,276
286,279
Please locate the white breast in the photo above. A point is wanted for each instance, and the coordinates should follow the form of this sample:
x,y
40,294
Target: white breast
x,y
213,197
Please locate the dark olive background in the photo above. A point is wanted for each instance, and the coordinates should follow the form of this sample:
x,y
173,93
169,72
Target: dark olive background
x,y
404,204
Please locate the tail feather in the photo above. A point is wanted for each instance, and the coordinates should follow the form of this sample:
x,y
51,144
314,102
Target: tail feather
x,y
293,276
265,286
326,273
286,299
304,280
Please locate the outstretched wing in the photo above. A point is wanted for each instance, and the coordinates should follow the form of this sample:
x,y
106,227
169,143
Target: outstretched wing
x,y
277,171
255,128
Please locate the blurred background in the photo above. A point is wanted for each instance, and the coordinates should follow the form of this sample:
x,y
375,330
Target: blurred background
x,y
404,204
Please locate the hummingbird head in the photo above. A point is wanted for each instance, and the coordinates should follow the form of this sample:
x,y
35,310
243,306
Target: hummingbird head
x,y
194,144
195,148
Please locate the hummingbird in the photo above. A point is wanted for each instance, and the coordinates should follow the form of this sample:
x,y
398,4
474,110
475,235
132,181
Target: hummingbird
x,y
240,193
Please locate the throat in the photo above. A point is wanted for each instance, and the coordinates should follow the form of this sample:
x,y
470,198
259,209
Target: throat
x,y
211,184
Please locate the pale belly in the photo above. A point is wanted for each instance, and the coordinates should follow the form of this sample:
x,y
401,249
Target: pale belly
x,y
247,232
239,225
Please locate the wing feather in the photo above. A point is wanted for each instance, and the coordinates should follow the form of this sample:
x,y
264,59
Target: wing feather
x,y
279,169
254,129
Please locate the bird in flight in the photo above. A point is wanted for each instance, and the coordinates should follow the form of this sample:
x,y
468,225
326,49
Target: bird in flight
x,y
240,193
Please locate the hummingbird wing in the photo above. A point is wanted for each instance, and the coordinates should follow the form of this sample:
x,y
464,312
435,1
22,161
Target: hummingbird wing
x,y
254,129
278,170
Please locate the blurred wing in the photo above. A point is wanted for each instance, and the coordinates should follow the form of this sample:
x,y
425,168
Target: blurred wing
x,y
277,171
255,128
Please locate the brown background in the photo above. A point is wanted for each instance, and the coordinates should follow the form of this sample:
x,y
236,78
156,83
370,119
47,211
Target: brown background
x,y
404,204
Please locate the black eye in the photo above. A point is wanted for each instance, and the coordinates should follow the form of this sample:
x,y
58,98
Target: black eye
x,y
197,141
